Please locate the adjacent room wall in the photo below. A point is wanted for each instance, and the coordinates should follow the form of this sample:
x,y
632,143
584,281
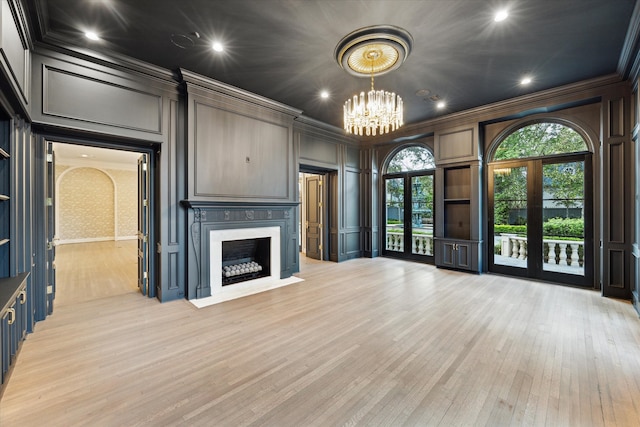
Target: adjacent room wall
x,y
94,204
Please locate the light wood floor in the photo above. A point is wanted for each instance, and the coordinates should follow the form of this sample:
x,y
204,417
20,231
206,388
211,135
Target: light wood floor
x,y
373,342
88,271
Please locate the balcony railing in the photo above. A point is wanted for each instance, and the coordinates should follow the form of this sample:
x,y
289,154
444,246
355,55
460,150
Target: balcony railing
x,y
421,244
568,253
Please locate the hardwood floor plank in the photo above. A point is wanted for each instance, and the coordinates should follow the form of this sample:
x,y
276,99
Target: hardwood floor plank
x,y
376,342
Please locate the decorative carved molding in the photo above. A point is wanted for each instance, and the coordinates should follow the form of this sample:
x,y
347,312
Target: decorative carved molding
x,y
249,215
195,239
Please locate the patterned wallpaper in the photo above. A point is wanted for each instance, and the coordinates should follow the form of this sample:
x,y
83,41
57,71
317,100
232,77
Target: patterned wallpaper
x,y
86,205
127,193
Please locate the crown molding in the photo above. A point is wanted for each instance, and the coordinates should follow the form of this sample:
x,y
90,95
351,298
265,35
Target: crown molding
x,y
629,62
207,83
544,99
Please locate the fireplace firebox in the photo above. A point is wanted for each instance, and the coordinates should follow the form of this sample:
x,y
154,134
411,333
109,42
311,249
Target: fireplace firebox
x,y
245,259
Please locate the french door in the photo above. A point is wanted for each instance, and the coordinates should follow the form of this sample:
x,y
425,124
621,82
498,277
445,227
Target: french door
x,y
540,219
408,216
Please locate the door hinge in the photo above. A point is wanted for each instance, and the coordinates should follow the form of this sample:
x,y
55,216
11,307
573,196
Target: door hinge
x,y
49,289
144,275
49,158
319,204
144,167
50,245
320,247
145,202
144,238
49,201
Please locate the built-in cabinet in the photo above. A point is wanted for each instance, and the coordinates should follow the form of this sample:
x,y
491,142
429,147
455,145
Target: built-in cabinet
x,y
458,200
13,322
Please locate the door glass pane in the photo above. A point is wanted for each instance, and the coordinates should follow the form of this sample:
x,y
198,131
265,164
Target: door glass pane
x,y
394,233
510,216
422,215
563,217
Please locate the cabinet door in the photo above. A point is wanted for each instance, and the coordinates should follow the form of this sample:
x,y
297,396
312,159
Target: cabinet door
x,y
5,345
463,256
21,316
448,254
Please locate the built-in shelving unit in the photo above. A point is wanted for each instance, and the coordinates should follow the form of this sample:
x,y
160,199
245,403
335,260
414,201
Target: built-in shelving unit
x,y
457,201
458,241
5,200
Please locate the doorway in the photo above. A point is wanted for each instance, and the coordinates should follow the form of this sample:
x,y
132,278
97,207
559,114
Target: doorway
x,y
317,213
540,206
408,215
99,222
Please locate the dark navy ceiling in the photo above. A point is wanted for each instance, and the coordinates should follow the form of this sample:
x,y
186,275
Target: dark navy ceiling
x,y
284,49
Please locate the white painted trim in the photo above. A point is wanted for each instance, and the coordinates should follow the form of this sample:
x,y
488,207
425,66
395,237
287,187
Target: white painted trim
x,y
126,238
237,290
88,240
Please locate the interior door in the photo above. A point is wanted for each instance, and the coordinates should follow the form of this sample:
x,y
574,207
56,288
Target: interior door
x,y
50,232
313,211
143,224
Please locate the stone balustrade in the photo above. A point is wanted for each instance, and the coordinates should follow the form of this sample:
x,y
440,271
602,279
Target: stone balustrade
x,y
558,252
421,244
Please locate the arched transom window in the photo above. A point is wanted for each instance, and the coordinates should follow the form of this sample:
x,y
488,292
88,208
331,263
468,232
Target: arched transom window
x,y
539,140
411,159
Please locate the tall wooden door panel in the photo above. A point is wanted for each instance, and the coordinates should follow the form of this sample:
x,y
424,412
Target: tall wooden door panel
x,y
313,211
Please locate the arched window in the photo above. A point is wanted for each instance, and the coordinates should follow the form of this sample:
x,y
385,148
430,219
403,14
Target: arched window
x,y
540,139
409,209
411,159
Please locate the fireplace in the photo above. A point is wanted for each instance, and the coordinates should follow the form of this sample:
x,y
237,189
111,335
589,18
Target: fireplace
x,y
246,259
214,224
243,257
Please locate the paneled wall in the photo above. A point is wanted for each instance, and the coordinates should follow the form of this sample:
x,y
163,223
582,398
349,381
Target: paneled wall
x,y
15,58
327,150
617,190
76,99
240,171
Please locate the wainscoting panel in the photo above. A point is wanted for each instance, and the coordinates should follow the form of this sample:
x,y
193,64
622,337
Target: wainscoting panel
x,y
239,156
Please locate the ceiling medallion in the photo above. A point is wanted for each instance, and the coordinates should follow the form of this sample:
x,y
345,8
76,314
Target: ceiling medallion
x,y
365,53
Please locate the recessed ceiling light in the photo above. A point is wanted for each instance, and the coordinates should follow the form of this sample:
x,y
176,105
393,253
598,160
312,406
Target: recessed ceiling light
x,y
91,35
84,155
441,105
501,15
525,80
217,46
324,94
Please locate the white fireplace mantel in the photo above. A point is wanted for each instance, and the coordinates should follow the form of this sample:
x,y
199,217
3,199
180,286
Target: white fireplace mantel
x,y
221,293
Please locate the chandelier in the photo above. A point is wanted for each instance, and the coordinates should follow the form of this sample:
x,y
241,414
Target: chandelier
x,y
366,52
379,112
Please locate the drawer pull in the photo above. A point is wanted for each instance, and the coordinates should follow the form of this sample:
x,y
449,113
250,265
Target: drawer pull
x,y
12,315
23,297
